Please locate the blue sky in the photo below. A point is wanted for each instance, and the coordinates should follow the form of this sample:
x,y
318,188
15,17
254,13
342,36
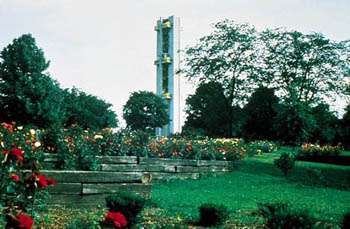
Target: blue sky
x,y
107,47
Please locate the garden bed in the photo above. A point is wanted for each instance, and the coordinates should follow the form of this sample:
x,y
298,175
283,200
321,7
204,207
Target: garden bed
x,y
123,173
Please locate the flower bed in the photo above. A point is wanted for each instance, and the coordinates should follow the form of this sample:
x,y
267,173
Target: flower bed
x,y
323,154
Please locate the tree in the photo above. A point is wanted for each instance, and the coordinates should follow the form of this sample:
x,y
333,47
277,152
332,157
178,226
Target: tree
x,y
345,128
208,110
145,111
88,111
294,123
27,93
304,68
327,125
260,113
227,56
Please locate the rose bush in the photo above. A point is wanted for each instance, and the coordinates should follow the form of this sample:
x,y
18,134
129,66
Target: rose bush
x,y
20,177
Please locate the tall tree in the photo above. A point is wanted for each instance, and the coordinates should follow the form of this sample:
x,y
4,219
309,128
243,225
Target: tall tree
x,y
27,93
207,110
327,124
227,56
145,111
88,111
260,113
294,123
345,128
304,68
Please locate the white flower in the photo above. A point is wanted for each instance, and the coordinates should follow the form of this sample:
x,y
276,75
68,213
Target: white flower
x,y
20,128
32,131
37,144
98,136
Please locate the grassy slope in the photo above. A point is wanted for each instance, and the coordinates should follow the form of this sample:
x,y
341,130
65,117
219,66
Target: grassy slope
x,y
256,181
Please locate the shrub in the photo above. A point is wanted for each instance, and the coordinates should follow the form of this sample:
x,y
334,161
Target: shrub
x,y
285,163
259,147
129,204
346,221
311,150
280,215
212,215
132,143
21,183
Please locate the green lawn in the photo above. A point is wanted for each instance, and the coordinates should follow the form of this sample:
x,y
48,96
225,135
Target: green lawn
x,y
320,188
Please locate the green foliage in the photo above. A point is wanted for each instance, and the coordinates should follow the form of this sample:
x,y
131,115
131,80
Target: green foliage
x,y
212,215
132,143
294,124
280,215
260,147
201,149
345,128
310,150
285,163
304,68
21,184
88,111
227,56
129,204
27,93
260,113
327,124
82,224
208,110
145,111
77,148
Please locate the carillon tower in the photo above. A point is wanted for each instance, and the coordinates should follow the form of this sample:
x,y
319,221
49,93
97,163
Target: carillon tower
x,y
165,69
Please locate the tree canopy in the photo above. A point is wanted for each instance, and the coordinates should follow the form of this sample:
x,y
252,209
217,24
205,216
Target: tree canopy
x,y
27,93
145,111
305,68
260,113
88,111
208,110
227,56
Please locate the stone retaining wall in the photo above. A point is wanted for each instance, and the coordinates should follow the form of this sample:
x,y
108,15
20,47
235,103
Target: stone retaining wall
x,y
122,173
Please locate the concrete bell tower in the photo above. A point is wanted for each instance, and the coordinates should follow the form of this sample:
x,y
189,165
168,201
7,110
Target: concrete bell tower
x,y
165,69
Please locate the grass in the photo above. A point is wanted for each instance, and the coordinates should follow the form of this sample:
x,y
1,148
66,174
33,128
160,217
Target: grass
x,y
321,189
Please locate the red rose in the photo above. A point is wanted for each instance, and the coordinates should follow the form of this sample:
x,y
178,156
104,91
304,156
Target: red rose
x,y
5,152
15,177
51,181
18,153
24,221
117,218
7,126
42,182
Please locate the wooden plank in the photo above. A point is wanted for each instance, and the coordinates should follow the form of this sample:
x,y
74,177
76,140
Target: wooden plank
x,y
66,176
137,168
93,200
66,188
113,188
204,169
117,159
172,176
167,161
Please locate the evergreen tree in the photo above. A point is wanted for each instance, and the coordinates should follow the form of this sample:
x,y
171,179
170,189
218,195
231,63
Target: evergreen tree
x,y
27,93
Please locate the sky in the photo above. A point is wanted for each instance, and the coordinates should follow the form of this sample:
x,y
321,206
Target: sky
x,y
108,47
